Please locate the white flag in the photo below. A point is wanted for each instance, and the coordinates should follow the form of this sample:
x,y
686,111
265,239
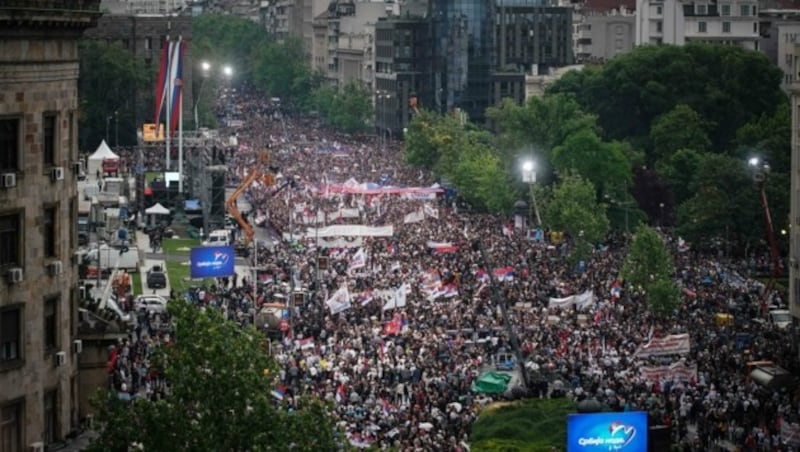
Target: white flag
x,y
430,211
359,260
340,301
399,298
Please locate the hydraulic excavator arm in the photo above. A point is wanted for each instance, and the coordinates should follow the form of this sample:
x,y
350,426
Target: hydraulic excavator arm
x,y
257,173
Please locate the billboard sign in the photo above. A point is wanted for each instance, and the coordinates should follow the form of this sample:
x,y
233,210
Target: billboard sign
x,y
212,261
594,432
153,132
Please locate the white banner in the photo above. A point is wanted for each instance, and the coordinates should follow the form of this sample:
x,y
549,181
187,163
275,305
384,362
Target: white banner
x,y
580,301
340,243
676,371
674,344
351,230
420,196
359,260
340,301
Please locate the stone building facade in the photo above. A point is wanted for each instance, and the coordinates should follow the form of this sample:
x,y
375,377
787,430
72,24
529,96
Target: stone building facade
x,y
38,218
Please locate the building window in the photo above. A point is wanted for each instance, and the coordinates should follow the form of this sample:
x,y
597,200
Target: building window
x,y
726,27
49,140
11,419
10,239
9,144
50,324
701,9
50,231
725,10
745,10
10,335
51,416
659,10
659,27
701,27
755,30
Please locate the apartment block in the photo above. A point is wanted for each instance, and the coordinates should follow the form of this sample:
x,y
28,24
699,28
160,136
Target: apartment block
x,y
38,219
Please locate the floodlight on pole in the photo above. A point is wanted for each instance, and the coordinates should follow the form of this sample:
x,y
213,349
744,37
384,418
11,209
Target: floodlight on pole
x,y
227,71
529,177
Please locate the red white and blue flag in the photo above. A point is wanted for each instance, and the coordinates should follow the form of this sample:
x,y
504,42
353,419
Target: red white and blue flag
x,y
169,86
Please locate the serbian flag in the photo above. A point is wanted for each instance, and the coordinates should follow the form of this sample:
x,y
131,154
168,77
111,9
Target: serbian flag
x,y
161,83
442,247
341,393
279,392
504,273
175,82
305,343
482,276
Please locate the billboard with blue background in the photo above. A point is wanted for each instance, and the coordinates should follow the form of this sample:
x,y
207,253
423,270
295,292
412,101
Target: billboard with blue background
x,y
212,261
619,431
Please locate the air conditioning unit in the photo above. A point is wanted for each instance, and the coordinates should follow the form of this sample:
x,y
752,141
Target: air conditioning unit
x,y
77,346
8,180
36,447
55,268
56,173
15,275
61,359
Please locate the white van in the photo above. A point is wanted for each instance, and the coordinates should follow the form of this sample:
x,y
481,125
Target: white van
x,y
219,237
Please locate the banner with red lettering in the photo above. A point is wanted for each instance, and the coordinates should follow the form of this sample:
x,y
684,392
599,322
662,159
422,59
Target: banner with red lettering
x,y
674,344
677,371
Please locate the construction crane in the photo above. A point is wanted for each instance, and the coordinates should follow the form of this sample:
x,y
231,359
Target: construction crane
x,y
760,171
257,173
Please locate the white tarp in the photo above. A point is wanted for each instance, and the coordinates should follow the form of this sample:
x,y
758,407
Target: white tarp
x,y
102,152
157,209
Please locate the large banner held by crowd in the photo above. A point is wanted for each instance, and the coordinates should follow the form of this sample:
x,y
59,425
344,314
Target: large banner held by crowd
x,y
580,301
677,371
674,344
340,301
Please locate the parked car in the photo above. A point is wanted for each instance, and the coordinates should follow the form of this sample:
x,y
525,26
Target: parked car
x,y
150,303
156,278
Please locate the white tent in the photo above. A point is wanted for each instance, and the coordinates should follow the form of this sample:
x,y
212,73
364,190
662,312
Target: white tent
x,y
154,212
103,152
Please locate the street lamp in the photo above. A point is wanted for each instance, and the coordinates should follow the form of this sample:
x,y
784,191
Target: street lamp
x,y
529,177
205,66
227,71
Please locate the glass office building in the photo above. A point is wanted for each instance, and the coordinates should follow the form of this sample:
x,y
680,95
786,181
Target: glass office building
x,y
462,33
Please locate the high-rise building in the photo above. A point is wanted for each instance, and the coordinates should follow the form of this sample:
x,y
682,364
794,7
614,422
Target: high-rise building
x,y
38,219
462,33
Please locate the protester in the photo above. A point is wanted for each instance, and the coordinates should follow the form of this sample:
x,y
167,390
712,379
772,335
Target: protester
x,y
395,329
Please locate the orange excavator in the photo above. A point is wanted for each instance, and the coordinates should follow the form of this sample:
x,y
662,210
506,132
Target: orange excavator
x,y
257,173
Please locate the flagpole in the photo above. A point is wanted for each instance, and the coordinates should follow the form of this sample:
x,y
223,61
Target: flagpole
x,y
170,83
180,121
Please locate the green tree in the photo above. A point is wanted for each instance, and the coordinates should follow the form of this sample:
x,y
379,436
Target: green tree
x,y
724,202
679,169
663,297
282,70
679,128
480,177
650,265
540,124
430,136
349,109
227,40
769,135
728,86
221,380
109,74
573,207
648,259
603,164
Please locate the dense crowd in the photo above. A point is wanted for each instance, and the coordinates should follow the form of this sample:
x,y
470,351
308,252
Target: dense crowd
x,y
401,374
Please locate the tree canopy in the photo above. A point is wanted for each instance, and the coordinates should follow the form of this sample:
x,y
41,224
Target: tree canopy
x,y
348,109
221,380
726,85
649,265
108,77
